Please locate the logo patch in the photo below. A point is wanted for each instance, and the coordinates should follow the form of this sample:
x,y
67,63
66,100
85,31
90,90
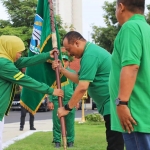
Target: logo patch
x,y
36,35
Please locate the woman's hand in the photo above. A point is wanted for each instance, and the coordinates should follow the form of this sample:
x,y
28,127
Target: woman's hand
x,y
58,92
52,53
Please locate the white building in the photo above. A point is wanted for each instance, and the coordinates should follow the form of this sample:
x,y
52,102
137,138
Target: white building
x,y
70,12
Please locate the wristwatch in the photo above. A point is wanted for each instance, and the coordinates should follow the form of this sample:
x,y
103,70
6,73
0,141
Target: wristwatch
x,y
67,107
119,102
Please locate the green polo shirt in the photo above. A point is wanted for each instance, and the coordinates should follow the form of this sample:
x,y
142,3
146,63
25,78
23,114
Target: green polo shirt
x,y
132,47
95,67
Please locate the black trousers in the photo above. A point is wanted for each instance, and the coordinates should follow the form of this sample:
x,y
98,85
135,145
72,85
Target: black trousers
x,y
114,138
22,118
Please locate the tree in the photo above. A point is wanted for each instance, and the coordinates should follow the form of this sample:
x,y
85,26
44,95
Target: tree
x,y
21,19
148,15
105,36
21,12
4,23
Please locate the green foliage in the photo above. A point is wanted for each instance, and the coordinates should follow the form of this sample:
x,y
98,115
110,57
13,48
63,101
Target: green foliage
x,y
94,117
23,32
105,36
21,12
148,15
4,23
21,19
109,16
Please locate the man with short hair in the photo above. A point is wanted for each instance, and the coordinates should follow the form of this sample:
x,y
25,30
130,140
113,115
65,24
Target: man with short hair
x,y
130,77
69,119
93,76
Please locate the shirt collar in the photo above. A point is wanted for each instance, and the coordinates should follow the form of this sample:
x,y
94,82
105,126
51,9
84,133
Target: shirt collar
x,y
138,17
86,45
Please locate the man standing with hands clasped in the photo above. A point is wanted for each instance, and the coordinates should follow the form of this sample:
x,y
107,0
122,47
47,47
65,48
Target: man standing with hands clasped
x,y
130,76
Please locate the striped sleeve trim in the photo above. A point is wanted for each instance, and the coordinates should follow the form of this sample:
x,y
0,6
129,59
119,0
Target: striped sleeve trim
x,y
86,80
18,76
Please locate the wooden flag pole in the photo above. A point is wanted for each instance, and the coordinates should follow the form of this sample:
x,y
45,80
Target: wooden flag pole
x,y
54,42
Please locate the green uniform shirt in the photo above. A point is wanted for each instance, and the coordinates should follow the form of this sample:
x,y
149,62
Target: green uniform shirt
x,y
95,68
132,46
11,75
68,91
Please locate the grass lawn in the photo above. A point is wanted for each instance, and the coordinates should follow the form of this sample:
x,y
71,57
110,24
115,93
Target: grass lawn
x,y
88,136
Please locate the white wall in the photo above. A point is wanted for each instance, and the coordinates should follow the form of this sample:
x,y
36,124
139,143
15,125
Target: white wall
x,y
77,15
70,12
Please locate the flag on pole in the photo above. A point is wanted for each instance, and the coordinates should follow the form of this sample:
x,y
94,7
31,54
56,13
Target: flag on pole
x,y
41,41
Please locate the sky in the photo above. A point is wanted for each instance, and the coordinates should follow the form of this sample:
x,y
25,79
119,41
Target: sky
x,y
92,15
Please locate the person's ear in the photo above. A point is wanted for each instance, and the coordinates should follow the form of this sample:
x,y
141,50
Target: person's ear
x,y
77,43
121,7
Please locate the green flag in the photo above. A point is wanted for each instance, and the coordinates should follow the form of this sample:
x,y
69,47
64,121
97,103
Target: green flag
x,y
41,41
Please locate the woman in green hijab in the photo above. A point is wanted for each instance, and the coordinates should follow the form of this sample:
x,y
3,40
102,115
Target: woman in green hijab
x,y
11,61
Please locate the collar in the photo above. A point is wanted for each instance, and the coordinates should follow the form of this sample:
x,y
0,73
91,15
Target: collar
x,y
138,17
86,46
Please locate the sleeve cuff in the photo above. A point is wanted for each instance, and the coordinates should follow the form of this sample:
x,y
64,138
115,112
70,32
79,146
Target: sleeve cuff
x,y
48,56
86,80
127,63
50,91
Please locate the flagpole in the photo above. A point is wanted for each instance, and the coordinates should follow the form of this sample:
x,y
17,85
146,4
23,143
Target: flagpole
x,y
54,43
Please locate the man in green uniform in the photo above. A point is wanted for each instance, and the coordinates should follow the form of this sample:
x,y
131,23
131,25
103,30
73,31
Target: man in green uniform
x,y
93,76
11,61
130,76
69,119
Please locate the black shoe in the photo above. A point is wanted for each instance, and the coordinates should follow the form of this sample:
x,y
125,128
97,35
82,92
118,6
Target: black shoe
x,y
32,128
21,128
70,144
57,145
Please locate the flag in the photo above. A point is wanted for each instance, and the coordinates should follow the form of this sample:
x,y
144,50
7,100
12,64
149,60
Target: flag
x,y
41,41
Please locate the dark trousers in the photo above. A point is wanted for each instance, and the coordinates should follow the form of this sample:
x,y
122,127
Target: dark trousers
x,y
114,139
22,118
